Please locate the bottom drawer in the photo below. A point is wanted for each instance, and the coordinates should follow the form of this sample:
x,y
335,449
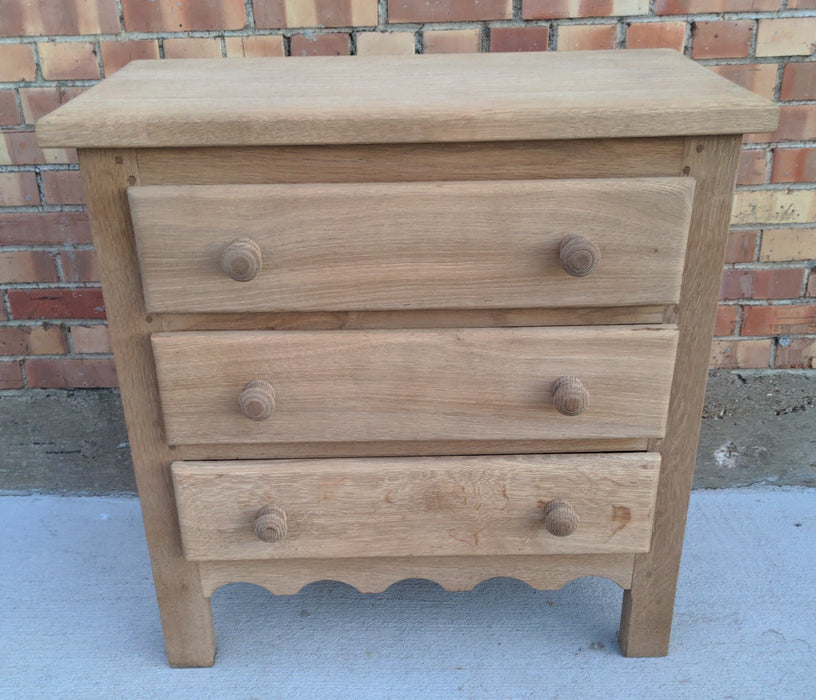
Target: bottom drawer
x,y
417,506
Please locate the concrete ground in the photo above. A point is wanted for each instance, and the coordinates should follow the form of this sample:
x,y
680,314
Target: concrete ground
x,y
78,619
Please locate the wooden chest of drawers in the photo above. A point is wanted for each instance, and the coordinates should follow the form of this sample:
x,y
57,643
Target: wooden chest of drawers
x,y
438,317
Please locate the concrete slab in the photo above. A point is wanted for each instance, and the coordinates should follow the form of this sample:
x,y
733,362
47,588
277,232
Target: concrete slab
x,y
78,619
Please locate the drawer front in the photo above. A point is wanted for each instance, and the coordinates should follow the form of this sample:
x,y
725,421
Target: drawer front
x,y
371,246
594,503
386,385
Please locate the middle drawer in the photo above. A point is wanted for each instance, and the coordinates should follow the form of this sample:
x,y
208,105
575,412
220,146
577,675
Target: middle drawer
x,y
391,385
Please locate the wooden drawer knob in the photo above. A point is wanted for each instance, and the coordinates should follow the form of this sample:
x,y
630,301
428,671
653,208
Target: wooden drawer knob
x,y
241,260
570,396
560,518
270,524
257,400
579,256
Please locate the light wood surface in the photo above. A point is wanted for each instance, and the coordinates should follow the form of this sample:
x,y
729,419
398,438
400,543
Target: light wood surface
x,y
411,245
185,611
648,607
396,162
453,384
380,99
375,574
438,506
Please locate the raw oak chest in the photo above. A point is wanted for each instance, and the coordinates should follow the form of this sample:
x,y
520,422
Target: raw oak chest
x,y
445,317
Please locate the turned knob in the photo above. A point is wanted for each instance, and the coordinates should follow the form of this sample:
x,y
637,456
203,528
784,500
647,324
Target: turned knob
x,y
579,256
241,260
570,396
560,518
257,400
270,524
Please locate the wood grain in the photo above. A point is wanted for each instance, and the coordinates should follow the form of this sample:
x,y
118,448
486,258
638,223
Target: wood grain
x,y
372,575
395,162
453,384
422,245
468,97
185,611
648,607
440,506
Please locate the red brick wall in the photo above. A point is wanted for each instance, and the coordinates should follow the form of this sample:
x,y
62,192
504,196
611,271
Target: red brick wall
x,y
52,331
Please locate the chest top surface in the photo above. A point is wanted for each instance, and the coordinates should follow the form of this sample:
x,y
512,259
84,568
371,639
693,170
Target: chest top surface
x,y
391,99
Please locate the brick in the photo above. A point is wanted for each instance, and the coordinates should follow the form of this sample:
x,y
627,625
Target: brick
x,y
586,37
557,9
811,285
796,123
799,81
79,266
9,114
656,35
46,17
762,284
726,323
70,373
741,246
20,148
33,340
797,353
794,319
3,312
721,39
27,266
504,39
780,245
199,47
117,54
774,206
182,15
17,63
448,10
44,228
693,7
335,44
271,14
10,375
452,41
385,43
90,340
63,187
794,165
802,4
74,60
756,77
31,304
37,102
740,354
791,36
18,189
254,46
751,169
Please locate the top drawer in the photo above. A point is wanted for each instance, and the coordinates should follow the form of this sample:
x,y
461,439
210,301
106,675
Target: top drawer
x,y
374,246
